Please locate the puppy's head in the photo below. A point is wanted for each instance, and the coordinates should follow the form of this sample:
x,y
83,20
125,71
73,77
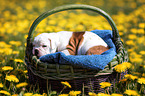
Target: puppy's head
x,y
42,45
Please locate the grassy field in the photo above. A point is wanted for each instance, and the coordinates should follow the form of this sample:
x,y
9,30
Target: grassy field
x,y
16,17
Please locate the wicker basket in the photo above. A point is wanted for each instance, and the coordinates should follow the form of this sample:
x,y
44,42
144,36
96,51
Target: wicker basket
x,y
46,74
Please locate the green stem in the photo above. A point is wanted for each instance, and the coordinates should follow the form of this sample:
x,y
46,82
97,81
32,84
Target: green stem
x,y
62,89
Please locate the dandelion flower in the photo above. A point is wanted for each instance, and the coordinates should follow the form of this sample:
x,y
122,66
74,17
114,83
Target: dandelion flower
x,y
44,94
5,68
141,25
92,94
103,94
143,73
63,95
16,43
37,94
105,84
66,84
142,52
25,36
12,78
26,71
141,80
4,92
21,84
28,94
18,60
123,80
122,67
131,77
130,42
15,95
74,93
16,52
1,85
115,94
131,92
127,64
132,36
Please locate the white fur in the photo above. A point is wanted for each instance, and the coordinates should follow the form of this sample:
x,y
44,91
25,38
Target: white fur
x,y
58,41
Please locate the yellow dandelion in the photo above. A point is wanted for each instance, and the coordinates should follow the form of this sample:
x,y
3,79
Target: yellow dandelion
x,y
105,84
26,71
132,36
6,51
12,78
66,84
18,60
115,94
4,92
1,85
92,94
130,50
141,80
142,52
133,30
131,92
74,93
143,73
4,45
44,94
123,80
16,43
21,84
142,25
15,52
127,64
28,94
141,31
136,60
131,77
5,68
25,36
37,94
63,95
122,67
103,94
15,95
130,42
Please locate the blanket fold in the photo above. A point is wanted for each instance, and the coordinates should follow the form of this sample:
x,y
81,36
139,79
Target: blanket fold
x,y
95,62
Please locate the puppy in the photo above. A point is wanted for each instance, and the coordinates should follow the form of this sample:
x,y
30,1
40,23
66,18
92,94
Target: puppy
x,y
70,43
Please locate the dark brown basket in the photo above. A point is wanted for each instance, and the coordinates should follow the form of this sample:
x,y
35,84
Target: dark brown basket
x,y
50,74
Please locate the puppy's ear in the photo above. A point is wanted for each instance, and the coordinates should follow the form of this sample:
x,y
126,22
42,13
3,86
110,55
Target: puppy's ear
x,y
52,44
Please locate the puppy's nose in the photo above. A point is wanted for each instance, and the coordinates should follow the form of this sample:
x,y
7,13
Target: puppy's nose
x,y
36,52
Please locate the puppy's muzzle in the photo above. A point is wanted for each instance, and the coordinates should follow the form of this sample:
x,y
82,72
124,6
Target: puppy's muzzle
x,y
36,52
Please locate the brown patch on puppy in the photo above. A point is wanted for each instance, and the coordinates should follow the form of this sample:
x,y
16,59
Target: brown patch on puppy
x,y
97,50
74,42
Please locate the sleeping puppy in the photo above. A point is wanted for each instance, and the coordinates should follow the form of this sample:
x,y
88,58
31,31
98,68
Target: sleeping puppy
x,y
70,43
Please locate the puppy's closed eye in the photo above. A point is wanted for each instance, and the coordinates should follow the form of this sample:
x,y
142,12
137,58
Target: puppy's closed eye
x,y
44,45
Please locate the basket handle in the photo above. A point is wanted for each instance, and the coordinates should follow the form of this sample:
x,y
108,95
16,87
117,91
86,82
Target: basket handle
x,y
70,7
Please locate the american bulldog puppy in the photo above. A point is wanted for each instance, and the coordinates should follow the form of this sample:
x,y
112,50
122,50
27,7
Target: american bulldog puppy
x,y
70,43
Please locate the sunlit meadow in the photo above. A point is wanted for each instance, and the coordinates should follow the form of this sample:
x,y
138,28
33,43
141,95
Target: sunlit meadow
x,y
16,17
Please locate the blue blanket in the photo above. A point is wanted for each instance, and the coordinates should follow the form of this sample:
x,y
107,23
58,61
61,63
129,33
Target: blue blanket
x,y
95,62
